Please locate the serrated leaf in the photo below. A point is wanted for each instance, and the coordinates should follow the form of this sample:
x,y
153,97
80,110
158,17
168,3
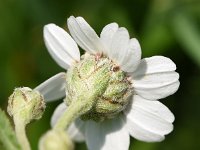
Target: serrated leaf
x,y
7,135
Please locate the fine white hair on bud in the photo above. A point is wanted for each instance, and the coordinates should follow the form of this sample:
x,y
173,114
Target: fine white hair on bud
x,y
98,77
50,140
26,104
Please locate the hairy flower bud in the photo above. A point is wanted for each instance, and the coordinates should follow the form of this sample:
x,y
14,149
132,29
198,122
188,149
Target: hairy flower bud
x,y
55,140
97,77
26,104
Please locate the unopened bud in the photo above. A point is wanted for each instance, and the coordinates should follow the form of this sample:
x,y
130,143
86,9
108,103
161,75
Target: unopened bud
x,y
26,104
55,140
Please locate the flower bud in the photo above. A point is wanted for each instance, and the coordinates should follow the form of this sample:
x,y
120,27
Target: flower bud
x,y
99,78
55,140
26,104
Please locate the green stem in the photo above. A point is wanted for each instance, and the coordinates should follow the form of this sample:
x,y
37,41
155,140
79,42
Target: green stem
x,y
75,109
21,134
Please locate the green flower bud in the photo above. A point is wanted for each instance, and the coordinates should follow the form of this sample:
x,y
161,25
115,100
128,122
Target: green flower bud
x,y
26,104
55,140
99,78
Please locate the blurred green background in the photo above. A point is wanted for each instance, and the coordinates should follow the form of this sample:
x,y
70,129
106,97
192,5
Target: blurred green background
x,y
163,27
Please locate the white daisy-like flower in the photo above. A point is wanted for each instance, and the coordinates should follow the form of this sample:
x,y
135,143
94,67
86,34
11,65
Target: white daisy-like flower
x,y
153,78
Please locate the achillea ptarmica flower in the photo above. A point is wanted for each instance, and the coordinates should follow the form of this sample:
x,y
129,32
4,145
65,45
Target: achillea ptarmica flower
x,y
127,87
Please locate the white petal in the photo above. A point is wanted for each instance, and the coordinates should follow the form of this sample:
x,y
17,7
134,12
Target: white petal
x,y
158,93
57,113
133,56
147,120
107,35
61,46
156,86
75,130
119,45
107,135
84,35
53,88
155,78
155,64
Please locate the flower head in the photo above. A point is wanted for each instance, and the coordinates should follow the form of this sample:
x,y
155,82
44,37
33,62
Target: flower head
x,y
142,116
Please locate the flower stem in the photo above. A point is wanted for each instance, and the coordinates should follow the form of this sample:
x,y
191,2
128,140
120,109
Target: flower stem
x,y
21,133
75,109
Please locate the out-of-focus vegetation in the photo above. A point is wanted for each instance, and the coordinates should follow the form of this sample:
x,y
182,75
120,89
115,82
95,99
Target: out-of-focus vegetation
x,y
163,27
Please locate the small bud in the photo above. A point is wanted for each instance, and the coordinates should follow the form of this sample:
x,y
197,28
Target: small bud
x,y
26,104
101,79
55,140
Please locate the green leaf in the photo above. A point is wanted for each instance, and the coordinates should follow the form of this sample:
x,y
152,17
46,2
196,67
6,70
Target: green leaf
x,y
188,35
7,134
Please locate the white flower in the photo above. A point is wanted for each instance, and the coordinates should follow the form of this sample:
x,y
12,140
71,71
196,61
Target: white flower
x,y
153,78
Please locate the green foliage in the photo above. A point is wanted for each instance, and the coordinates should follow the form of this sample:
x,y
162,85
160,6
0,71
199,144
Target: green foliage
x,y
7,135
188,35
